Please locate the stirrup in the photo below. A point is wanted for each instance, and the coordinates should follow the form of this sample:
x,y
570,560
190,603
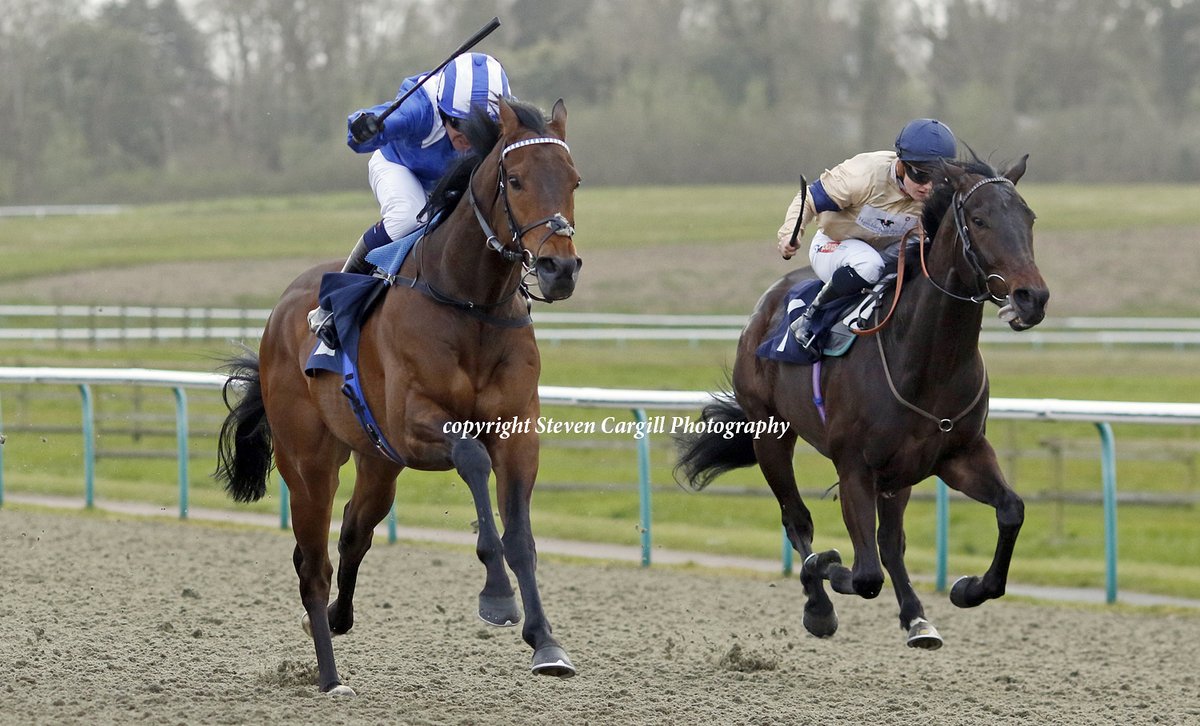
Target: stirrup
x,y
802,329
320,322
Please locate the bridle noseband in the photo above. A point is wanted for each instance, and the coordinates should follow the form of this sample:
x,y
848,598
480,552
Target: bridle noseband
x,y
556,223
963,232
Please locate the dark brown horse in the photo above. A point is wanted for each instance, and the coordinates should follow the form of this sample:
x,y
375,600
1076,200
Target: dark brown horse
x,y
904,404
452,348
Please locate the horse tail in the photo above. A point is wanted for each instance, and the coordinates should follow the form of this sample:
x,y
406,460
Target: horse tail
x,y
244,449
711,451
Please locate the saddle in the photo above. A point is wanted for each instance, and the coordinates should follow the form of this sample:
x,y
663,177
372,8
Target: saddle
x,y
833,324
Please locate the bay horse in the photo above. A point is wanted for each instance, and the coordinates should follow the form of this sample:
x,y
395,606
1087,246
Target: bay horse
x,y
906,403
455,346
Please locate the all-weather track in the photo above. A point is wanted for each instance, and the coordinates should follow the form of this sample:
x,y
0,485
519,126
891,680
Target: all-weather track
x,y
112,618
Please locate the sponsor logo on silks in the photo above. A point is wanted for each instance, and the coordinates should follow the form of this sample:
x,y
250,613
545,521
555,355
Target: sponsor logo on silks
x,y
885,224
830,246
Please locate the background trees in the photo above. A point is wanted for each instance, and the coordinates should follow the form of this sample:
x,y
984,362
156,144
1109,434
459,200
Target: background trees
x,y
151,99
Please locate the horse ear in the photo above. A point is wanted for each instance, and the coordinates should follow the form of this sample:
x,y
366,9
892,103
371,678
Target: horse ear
x,y
1016,171
953,172
558,119
509,123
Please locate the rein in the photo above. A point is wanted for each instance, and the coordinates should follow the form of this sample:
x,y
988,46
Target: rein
x,y
961,232
555,223
517,253
964,233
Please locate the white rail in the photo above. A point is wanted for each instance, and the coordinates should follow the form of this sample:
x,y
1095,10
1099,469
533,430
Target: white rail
x,y
1101,413
183,323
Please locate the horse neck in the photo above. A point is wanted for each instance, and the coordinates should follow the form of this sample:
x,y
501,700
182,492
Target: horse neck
x,y
457,260
938,335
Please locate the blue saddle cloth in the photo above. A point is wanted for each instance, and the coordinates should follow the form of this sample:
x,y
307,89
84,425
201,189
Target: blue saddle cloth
x,y
782,345
391,256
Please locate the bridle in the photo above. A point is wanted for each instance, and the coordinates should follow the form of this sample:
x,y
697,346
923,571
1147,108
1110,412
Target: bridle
x,y
962,232
516,251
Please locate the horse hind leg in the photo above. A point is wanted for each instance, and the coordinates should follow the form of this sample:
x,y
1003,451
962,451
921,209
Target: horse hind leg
x,y
921,633
775,460
311,507
497,601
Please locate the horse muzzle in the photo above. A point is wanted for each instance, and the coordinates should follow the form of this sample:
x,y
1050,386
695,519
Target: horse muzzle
x,y
557,276
1028,304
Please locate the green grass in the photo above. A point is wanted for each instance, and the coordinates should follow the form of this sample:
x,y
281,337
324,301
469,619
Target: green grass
x,y
1061,544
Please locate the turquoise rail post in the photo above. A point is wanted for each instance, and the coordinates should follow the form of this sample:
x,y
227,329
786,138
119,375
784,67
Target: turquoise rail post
x,y
284,504
1,456
1108,472
181,440
643,445
392,534
943,532
89,446
786,555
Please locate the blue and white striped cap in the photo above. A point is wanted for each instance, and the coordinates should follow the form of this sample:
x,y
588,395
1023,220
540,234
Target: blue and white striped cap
x,y
472,79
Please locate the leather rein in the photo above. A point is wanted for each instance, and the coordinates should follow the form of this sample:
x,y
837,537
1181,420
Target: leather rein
x,y
962,232
516,253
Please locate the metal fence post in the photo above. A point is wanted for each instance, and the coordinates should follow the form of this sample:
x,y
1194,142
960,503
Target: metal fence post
x,y
89,446
943,532
1108,473
643,445
181,439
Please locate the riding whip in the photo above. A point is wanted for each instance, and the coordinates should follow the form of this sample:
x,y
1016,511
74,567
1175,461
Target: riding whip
x,y
800,217
374,124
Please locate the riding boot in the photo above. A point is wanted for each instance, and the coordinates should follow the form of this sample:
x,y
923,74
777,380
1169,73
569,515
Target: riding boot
x,y
319,319
845,281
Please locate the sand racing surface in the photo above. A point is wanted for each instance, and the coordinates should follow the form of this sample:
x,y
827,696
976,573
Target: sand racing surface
x,y
110,619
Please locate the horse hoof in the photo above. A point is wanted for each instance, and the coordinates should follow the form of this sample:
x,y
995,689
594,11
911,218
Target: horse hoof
x,y
551,660
499,611
922,634
306,624
822,626
341,690
961,595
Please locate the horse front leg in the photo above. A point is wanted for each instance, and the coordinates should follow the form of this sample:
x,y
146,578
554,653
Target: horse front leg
x,y
374,492
977,474
497,602
516,470
856,491
921,633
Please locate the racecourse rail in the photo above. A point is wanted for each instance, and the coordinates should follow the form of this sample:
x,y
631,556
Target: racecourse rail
x,y
1101,413
144,323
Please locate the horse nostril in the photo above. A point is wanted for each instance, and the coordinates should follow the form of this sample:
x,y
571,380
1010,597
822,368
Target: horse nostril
x,y
1027,299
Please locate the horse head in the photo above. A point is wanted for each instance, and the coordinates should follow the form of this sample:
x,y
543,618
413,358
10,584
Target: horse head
x,y
537,182
994,227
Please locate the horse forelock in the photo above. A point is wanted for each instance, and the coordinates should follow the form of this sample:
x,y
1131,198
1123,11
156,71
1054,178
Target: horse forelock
x,y
940,200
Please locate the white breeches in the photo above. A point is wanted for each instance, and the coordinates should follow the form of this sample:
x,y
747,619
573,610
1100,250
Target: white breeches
x,y
400,195
826,255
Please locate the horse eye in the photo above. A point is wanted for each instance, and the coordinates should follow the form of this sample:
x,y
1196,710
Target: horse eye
x,y
978,222
514,182
578,183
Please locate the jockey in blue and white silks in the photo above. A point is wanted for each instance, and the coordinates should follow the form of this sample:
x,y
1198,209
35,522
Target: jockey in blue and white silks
x,y
416,145
862,206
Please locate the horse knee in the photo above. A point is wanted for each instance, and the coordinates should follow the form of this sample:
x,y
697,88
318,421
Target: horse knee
x,y
1011,514
868,586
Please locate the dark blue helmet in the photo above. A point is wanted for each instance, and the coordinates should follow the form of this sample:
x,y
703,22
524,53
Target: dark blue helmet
x,y
926,139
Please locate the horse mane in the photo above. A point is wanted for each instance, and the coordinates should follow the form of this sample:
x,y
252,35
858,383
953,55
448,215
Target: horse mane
x,y
483,133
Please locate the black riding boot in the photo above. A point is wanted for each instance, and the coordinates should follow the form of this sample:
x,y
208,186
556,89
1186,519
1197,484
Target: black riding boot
x,y
319,319
845,281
